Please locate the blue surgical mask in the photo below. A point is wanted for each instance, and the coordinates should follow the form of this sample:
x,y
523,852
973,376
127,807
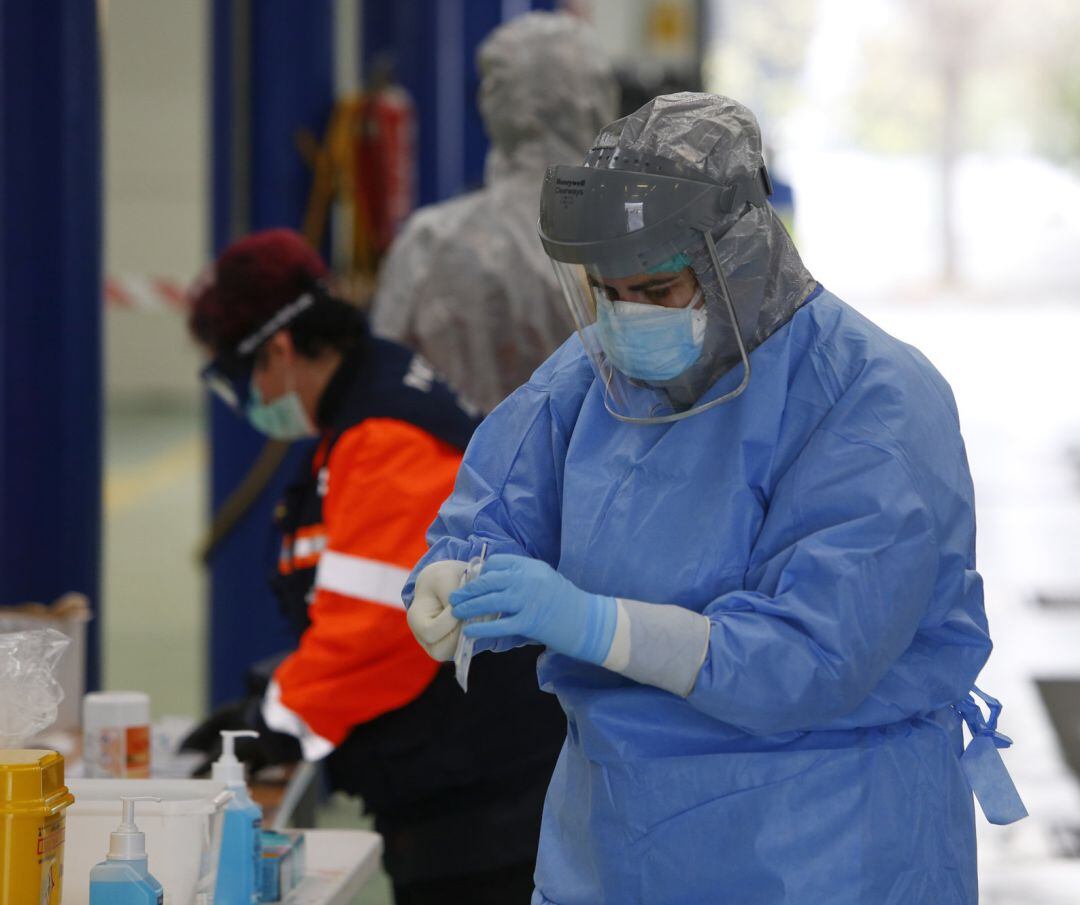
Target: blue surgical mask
x,y
650,342
282,419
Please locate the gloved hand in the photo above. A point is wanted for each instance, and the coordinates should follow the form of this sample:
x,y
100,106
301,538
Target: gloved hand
x,y
268,749
430,617
535,601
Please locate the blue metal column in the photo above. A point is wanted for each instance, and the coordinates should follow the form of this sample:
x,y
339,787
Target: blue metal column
x,y
273,65
50,305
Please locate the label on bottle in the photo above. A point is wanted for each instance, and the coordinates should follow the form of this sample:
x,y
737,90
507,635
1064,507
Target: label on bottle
x,y
50,883
138,752
117,752
50,843
103,752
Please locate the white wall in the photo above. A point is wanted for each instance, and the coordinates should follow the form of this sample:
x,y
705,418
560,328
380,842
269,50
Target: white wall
x,y
156,130
156,135
623,27
156,127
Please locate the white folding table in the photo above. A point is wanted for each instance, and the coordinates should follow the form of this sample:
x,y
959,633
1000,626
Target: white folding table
x,y
339,864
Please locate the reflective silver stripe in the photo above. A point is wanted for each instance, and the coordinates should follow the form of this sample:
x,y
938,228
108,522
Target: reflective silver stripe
x,y
355,576
308,546
284,316
279,717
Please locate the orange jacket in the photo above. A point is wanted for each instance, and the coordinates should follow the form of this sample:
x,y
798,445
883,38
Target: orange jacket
x,y
381,482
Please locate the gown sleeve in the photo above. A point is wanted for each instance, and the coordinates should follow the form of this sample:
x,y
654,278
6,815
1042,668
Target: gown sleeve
x,y
842,574
509,487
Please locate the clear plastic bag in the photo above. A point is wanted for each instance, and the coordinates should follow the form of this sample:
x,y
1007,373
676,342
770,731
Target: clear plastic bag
x,y
29,691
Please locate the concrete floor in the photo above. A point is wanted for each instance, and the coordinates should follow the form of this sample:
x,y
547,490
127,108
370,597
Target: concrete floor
x,y
154,614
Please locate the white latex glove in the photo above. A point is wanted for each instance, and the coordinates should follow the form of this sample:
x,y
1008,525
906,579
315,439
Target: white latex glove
x,y
430,617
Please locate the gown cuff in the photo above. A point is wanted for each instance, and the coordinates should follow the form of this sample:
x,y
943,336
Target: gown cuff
x,y
658,644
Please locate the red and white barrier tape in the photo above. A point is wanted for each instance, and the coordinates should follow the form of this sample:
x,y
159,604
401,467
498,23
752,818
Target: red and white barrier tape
x,y
146,293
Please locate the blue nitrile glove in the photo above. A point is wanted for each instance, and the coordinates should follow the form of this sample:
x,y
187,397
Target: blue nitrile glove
x,y
535,601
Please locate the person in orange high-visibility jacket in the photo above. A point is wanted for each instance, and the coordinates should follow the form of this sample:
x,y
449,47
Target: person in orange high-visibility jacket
x,y
456,782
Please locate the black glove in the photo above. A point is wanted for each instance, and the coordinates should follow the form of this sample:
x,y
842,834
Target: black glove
x,y
268,749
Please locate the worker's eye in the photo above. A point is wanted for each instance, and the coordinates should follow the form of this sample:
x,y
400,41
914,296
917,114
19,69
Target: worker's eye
x,y
658,294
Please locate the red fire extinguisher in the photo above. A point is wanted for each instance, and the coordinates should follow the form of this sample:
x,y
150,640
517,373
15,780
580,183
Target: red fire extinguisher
x,y
385,181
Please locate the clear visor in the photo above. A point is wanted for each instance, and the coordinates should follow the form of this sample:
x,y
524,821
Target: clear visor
x,y
230,384
655,340
229,375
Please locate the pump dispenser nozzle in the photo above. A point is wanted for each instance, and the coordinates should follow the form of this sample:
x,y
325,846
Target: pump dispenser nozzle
x,y
227,768
127,843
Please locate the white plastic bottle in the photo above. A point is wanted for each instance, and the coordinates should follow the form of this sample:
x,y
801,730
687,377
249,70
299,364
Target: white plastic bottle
x,y
124,877
116,734
241,842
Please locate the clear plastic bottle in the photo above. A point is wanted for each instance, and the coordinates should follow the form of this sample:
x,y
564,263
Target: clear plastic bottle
x,y
241,841
124,877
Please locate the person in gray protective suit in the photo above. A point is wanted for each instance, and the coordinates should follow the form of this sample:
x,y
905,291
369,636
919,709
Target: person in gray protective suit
x,y
467,283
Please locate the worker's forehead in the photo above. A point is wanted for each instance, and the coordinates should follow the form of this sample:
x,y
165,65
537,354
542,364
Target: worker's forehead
x,y
644,280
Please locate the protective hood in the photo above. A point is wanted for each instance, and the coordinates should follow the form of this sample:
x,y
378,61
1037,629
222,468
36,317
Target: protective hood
x,y
681,174
546,88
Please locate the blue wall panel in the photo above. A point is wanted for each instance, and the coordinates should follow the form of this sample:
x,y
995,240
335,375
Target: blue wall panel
x,y
291,88
50,305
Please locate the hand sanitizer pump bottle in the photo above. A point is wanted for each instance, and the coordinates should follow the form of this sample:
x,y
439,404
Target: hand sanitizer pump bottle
x,y
241,842
124,878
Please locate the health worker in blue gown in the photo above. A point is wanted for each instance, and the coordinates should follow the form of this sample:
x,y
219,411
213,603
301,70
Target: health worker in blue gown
x,y
739,517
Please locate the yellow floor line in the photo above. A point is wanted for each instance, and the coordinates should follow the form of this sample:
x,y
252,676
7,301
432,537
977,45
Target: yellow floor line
x,y
126,487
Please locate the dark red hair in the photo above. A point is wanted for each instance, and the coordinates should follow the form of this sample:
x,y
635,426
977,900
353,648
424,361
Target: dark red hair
x,y
253,278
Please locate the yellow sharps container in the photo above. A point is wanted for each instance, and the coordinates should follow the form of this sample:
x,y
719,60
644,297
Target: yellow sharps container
x,y
33,799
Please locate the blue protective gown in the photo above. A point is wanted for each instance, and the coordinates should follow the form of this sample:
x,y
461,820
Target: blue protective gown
x,y
824,523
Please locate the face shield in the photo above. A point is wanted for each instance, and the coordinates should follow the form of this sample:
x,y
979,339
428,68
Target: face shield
x,y
229,380
624,246
229,375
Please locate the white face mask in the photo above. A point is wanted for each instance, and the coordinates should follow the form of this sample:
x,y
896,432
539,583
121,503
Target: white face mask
x,y
282,419
650,342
